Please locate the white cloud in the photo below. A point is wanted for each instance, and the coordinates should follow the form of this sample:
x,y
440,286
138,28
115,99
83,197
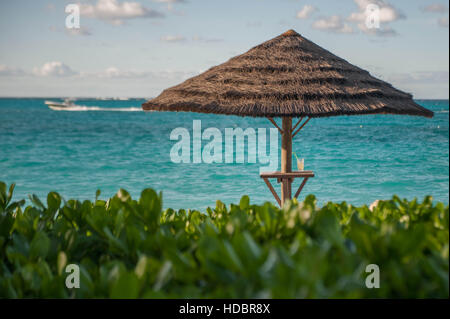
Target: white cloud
x,y
115,73
443,22
423,84
170,4
170,1
333,24
54,68
82,31
174,75
386,14
420,77
439,9
197,38
10,71
306,11
435,7
381,32
59,69
173,38
115,12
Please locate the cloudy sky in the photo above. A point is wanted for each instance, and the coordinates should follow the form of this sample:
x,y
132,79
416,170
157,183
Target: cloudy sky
x,y
137,48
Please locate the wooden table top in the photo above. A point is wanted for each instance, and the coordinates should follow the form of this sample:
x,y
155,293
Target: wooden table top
x,y
290,174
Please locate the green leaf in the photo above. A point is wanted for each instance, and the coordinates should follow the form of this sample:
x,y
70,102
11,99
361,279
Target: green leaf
x,y
125,287
39,246
12,207
123,195
244,204
10,192
327,225
61,262
6,224
141,266
3,194
97,194
114,241
53,201
36,201
151,205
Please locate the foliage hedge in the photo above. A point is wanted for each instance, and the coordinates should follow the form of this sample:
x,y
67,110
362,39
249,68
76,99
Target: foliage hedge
x,y
131,248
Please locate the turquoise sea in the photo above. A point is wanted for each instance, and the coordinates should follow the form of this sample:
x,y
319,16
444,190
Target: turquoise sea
x,y
111,144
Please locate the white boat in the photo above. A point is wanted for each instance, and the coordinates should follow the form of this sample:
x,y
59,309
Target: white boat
x,y
60,106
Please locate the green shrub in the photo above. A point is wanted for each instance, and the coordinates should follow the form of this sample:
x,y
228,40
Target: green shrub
x,y
129,248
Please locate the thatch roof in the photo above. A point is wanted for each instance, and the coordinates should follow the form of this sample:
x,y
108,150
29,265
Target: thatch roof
x,y
286,76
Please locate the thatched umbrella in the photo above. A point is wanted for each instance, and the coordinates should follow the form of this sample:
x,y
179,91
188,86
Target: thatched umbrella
x,y
288,76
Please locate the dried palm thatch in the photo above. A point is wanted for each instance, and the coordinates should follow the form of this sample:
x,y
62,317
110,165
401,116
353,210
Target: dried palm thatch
x,y
288,76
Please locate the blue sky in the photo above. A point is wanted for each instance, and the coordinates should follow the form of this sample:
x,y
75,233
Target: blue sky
x,y
137,48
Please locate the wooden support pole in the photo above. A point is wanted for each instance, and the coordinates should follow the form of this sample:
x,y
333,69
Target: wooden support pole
x,y
286,158
276,125
293,135
274,193
299,121
301,187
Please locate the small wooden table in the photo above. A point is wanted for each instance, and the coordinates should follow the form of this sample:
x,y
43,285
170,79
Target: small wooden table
x,y
286,177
